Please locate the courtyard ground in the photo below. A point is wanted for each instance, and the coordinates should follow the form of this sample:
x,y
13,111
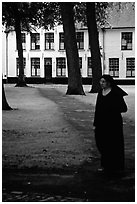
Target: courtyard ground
x,y
48,146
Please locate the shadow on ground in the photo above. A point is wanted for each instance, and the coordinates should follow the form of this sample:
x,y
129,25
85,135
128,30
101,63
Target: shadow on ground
x,y
77,181
82,182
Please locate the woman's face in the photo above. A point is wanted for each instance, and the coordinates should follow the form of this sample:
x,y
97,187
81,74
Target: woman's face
x,y
104,84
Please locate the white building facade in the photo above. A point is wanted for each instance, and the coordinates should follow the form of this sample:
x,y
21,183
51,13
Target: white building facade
x,y
45,56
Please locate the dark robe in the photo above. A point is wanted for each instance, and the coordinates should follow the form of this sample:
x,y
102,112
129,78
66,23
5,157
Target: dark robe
x,y
109,130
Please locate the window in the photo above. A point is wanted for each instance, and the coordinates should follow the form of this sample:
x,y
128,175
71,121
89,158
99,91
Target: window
x,y
23,41
89,67
61,41
126,41
79,37
114,67
49,41
130,66
61,66
24,65
80,64
23,37
35,41
35,66
80,40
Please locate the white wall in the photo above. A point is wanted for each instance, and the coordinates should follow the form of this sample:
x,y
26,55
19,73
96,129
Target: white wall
x,y
4,55
112,49
12,54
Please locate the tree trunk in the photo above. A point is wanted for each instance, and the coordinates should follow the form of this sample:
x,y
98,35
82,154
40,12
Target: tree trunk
x,y
74,75
5,105
21,79
94,47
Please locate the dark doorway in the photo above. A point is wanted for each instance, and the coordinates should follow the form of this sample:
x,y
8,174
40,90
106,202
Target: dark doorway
x,y
48,69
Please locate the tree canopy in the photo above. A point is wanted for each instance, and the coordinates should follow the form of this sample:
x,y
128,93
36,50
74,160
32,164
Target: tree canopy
x,y
47,14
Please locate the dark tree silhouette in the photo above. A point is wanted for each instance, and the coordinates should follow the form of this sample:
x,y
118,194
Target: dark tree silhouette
x,y
94,46
17,18
74,75
5,105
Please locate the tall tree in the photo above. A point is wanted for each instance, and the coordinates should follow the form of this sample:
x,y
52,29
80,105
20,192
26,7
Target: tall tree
x,y
45,14
17,17
12,17
5,105
94,46
74,75
25,16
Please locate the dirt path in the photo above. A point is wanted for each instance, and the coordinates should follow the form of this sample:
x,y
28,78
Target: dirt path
x,y
43,132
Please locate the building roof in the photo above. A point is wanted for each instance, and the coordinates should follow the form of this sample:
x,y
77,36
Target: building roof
x,y
121,16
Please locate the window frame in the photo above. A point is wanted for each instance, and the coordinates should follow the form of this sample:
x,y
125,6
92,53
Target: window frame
x,y
35,41
37,60
80,65
49,40
62,68
130,68
61,40
23,38
80,40
89,66
126,40
114,68
17,65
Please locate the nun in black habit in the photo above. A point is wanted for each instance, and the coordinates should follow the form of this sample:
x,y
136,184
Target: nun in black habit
x,y
109,125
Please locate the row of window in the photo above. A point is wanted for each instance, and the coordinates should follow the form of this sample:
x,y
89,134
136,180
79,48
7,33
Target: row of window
x,y
49,41
61,66
114,67
126,41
